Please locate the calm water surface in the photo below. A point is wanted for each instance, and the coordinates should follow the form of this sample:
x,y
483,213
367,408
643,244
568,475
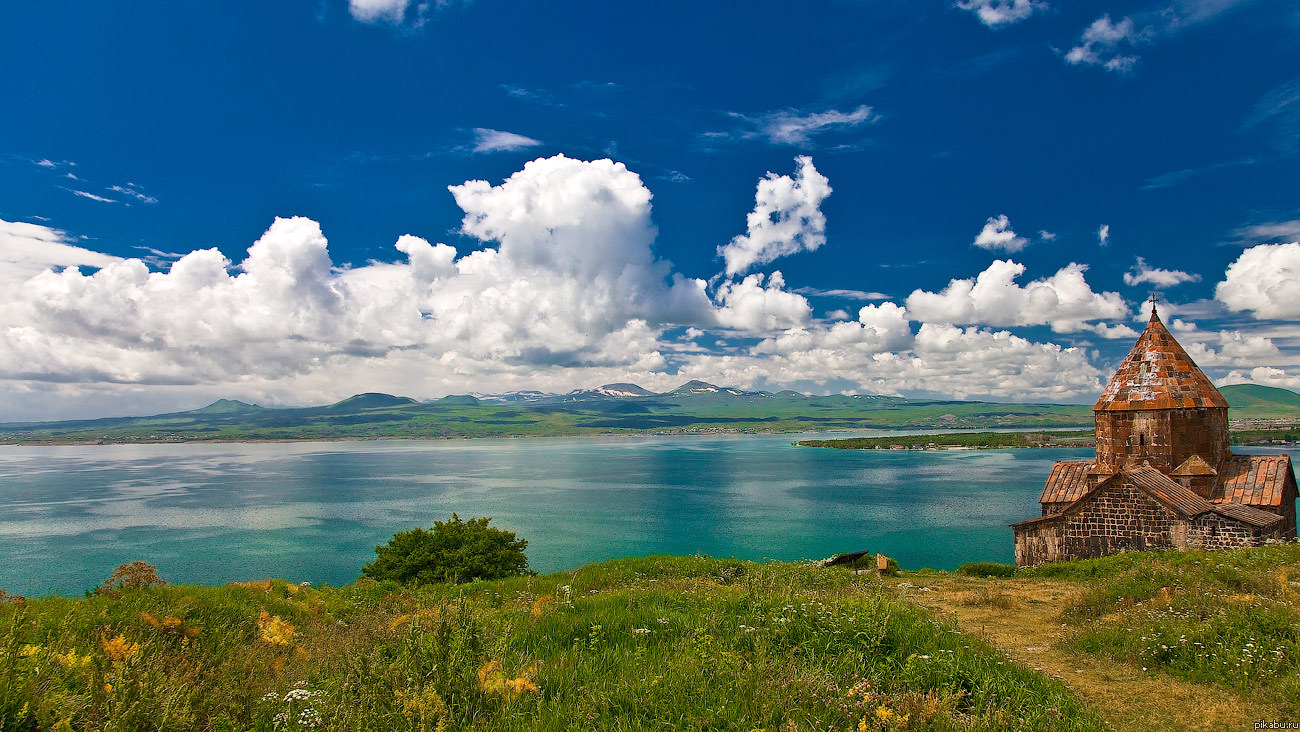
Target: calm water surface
x,y
315,511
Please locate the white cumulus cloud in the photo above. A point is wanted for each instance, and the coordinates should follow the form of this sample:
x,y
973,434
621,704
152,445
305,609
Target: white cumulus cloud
x,y
374,11
571,282
750,305
1065,301
562,289
1235,349
999,13
1109,45
1143,272
786,219
1264,280
1265,376
28,249
880,354
997,234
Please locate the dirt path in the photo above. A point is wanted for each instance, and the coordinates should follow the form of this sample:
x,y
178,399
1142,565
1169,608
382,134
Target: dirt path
x,y
1020,617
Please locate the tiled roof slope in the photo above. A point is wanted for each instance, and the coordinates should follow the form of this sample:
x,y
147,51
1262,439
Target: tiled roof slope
x,y
1248,514
1180,499
1067,482
1253,480
1158,374
1176,497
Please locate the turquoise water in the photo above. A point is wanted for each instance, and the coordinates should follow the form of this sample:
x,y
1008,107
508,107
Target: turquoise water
x,y
315,511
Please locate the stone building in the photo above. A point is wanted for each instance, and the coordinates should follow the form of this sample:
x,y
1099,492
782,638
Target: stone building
x,y
1163,476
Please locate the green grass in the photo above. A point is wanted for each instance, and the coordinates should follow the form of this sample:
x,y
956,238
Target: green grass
x,y
987,569
1224,618
654,643
1253,400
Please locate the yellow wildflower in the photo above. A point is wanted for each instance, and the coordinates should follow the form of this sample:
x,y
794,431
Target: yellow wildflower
x,y
489,669
171,625
424,707
28,650
540,604
888,718
492,679
414,618
72,660
119,649
520,684
273,630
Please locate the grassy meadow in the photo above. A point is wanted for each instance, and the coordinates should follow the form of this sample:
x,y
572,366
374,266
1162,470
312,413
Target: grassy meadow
x,y
1149,640
654,643
1158,640
1230,619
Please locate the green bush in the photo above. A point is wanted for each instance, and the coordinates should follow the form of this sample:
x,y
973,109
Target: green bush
x,y
987,569
454,551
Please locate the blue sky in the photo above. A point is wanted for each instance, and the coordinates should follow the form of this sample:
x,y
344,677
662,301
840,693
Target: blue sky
x,y
1069,159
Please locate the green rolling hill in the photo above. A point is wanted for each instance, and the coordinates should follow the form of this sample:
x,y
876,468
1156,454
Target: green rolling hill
x,y
1255,401
611,409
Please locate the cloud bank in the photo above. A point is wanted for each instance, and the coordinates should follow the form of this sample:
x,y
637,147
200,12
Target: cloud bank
x,y
562,289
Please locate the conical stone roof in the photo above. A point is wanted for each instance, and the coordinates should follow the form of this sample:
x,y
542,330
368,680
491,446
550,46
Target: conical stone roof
x,y
1158,374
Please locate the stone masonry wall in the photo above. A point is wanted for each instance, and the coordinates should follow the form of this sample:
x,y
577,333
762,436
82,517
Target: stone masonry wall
x,y
1037,543
1051,508
1164,437
1119,517
1213,531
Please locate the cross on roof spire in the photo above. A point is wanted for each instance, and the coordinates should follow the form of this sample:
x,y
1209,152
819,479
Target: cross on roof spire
x,y
1153,305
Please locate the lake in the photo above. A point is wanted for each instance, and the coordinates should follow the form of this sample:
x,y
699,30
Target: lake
x,y
315,511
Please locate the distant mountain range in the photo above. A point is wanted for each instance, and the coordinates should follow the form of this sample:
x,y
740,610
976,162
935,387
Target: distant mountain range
x,y
621,408
693,388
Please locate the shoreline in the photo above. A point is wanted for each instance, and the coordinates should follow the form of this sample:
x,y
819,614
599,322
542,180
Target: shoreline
x,y
896,431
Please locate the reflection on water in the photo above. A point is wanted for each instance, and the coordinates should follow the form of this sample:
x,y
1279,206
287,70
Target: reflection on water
x,y
315,511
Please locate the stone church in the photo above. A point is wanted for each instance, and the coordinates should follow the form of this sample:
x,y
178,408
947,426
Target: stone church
x,y
1163,476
